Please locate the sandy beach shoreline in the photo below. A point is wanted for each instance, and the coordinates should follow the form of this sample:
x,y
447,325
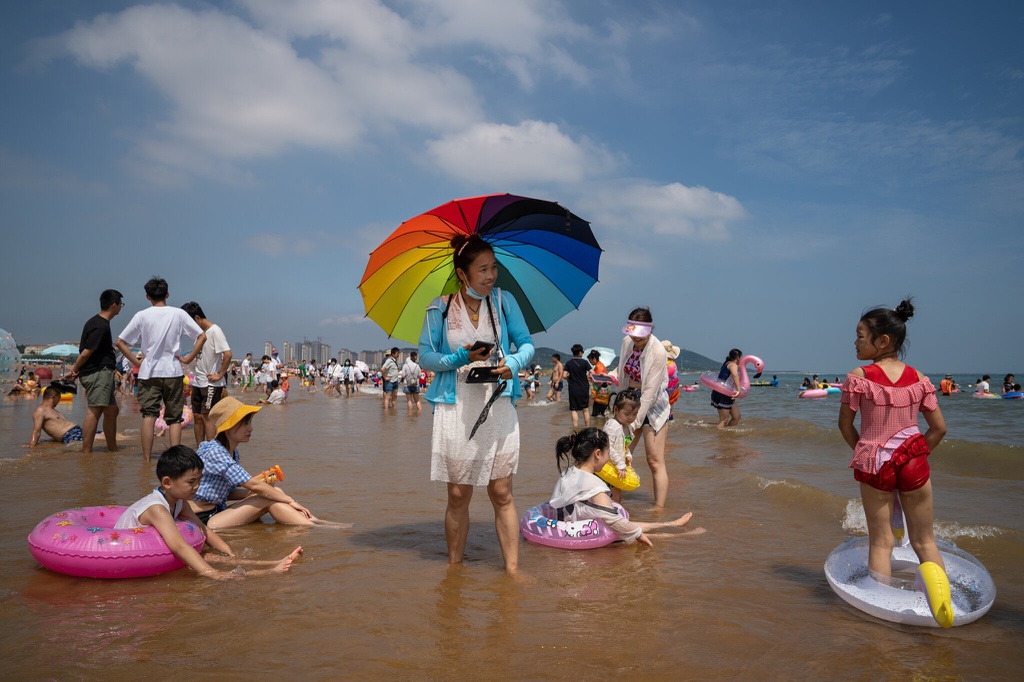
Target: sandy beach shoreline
x,y
746,601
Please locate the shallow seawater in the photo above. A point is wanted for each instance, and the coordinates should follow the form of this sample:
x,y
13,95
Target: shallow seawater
x,y
746,600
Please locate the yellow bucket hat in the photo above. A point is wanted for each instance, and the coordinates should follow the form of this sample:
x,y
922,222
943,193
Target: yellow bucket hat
x,y
229,411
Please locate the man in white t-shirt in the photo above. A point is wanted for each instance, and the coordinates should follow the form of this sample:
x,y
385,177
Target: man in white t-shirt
x,y
247,372
390,373
210,382
275,363
157,330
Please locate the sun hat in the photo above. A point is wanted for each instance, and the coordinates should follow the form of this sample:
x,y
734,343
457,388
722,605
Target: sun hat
x,y
673,351
229,411
638,329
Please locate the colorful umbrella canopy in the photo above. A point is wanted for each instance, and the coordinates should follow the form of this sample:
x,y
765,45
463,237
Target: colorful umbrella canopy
x,y
548,260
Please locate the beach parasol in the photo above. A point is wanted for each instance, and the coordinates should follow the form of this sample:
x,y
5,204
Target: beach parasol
x,y
607,354
548,260
361,366
61,350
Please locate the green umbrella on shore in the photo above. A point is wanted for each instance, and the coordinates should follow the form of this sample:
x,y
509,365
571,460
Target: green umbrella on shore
x,y
61,350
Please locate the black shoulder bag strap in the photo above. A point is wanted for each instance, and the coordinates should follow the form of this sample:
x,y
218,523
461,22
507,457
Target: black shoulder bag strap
x,y
500,386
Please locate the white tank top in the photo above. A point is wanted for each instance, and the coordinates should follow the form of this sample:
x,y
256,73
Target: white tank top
x,y
130,517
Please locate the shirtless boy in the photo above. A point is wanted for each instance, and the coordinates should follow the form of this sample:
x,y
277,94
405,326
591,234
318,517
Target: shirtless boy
x,y
48,419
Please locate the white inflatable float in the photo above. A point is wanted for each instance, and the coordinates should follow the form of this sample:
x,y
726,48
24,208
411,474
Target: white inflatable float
x,y
918,594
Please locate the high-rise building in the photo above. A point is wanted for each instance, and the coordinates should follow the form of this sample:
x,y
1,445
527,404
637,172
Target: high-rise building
x,y
268,348
325,354
287,352
346,354
374,358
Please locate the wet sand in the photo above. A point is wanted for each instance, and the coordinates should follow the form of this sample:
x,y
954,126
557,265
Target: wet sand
x,y
746,600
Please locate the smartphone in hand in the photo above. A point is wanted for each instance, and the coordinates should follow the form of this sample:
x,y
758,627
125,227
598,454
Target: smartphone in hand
x,y
481,344
482,375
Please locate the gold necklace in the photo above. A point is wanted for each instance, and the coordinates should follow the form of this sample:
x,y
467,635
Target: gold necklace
x,y
476,313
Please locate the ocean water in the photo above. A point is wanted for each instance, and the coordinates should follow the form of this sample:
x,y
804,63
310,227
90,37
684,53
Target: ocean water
x,y
746,600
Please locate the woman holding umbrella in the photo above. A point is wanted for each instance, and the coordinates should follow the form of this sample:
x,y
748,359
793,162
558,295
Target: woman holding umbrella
x,y
476,429
643,363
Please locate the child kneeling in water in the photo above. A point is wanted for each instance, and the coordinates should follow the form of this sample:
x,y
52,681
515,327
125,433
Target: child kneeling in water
x,y
580,495
179,470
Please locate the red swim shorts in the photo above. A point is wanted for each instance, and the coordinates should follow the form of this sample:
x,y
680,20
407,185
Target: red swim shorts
x,y
907,470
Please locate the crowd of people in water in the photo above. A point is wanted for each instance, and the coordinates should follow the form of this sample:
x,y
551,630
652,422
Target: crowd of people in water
x,y
474,360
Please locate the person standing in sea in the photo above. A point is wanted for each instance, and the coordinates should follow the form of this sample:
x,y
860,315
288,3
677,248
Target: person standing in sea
x,y
94,368
158,330
577,375
210,382
476,427
643,365
390,373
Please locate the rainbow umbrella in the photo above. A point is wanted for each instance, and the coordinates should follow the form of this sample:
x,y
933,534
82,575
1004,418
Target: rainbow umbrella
x,y
548,260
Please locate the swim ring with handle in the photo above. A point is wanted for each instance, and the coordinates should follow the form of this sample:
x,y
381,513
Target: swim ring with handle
x,y
541,526
609,473
961,594
83,542
711,380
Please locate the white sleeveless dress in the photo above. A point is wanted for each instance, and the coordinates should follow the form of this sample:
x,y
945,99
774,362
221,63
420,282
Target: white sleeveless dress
x,y
493,452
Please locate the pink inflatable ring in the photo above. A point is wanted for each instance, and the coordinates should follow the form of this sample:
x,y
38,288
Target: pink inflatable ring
x,y
711,380
82,542
540,525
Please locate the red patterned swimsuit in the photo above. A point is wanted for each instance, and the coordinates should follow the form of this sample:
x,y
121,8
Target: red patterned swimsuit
x,y
891,453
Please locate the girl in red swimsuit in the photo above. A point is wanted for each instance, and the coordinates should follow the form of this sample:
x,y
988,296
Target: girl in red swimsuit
x,y
890,453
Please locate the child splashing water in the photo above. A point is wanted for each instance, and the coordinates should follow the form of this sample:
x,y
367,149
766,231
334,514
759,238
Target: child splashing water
x,y
580,495
620,435
890,453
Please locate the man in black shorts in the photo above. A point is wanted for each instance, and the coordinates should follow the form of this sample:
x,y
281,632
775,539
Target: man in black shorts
x,y
95,370
210,382
577,371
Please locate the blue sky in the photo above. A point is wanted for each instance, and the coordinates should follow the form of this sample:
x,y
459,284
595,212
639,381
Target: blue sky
x,y
758,173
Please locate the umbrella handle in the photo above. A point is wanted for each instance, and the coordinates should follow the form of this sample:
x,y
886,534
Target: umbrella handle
x,y
499,387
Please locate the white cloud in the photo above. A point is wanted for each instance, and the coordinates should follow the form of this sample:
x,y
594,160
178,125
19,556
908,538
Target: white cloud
x,y
640,209
530,152
237,91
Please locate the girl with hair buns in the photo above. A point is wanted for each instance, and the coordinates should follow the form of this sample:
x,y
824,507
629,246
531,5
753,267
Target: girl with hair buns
x,y
889,451
475,437
643,365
